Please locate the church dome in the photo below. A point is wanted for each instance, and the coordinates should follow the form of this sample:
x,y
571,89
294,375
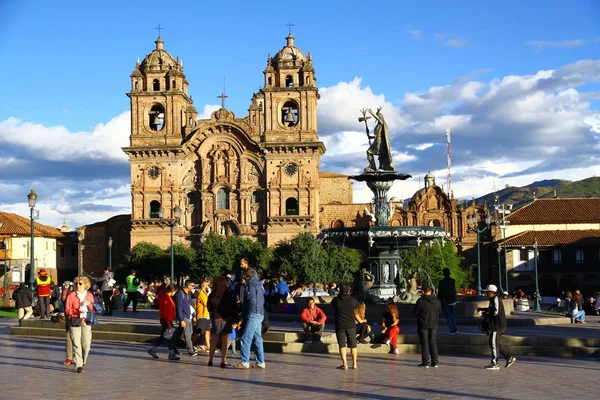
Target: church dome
x,y
289,55
159,59
191,109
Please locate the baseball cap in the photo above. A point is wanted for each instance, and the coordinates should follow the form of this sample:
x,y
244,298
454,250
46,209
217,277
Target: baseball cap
x,y
491,288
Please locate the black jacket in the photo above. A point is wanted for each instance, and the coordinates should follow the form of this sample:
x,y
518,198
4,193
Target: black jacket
x,y
427,310
344,306
447,291
496,316
22,297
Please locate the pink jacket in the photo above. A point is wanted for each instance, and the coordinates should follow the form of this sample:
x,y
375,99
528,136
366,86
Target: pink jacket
x,y
317,314
73,303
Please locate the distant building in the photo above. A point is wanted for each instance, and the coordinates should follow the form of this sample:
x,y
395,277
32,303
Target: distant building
x,y
49,245
567,233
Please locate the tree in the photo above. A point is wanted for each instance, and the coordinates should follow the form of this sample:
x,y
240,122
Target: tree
x,y
304,259
218,255
149,260
433,259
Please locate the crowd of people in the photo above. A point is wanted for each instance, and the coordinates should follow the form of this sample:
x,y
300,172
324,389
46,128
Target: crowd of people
x,y
213,315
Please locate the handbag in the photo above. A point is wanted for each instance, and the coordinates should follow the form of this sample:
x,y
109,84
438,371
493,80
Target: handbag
x,y
75,321
169,333
91,319
98,308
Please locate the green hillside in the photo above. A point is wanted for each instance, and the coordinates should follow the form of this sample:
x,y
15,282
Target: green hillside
x,y
589,187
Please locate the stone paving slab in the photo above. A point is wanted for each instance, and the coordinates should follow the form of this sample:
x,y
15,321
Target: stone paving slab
x,y
32,368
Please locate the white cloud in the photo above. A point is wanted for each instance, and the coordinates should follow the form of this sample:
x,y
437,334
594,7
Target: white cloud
x,y
451,40
416,34
56,143
555,44
536,126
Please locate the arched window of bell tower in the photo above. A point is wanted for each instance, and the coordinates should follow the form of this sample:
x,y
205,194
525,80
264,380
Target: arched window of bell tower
x,y
137,85
173,85
289,113
154,209
269,81
291,206
156,85
289,81
156,117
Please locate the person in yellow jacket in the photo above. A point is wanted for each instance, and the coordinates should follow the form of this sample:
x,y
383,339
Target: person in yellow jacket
x,y
202,326
132,283
44,289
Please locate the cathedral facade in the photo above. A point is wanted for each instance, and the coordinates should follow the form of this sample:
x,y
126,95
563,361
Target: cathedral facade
x,y
254,176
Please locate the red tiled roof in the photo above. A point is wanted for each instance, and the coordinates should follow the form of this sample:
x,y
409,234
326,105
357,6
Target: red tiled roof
x,y
584,237
14,224
557,211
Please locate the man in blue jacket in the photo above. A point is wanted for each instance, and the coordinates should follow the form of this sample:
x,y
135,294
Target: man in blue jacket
x,y
254,313
183,306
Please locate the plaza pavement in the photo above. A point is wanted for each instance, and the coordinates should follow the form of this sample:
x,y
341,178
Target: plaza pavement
x,y
32,368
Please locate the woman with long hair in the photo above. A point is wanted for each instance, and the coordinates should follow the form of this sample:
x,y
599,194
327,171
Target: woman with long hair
x,y
389,322
79,310
221,307
363,330
576,308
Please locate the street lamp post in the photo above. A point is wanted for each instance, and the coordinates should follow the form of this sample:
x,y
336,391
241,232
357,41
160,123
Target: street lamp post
x,y
499,250
501,209
171,223
535,265
80,238
473,220
31,199
110,243
5,241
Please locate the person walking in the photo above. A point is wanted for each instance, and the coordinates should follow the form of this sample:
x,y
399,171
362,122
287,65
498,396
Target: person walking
x,y
221,308
167,313
23,299
80,304
202,327
447,297
44,290
132,283
495,327
107,281
68,288
184,308
427,310
254,313
345,330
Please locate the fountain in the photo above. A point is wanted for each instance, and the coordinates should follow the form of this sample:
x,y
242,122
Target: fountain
x,y
382,242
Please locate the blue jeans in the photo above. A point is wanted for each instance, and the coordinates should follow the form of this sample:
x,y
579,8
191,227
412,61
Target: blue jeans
x,y
449,313
580,315
252,336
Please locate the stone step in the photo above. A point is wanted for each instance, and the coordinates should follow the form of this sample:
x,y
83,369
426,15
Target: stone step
x,y
290,342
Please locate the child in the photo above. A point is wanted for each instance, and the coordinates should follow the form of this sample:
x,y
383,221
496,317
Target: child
x,y
235,325
389,322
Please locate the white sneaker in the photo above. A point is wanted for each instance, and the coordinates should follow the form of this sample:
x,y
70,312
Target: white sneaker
x,y
387,343
396,351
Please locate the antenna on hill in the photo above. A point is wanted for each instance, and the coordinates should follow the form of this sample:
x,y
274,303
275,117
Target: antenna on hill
x,y
449,175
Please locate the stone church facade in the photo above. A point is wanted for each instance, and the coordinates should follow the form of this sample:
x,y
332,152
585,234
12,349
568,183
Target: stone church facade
x,y
256,176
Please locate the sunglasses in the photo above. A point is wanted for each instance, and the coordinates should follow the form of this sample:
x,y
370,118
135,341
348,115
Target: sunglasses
x,y
79,283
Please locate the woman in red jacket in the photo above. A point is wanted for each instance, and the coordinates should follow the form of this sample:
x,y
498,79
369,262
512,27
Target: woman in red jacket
x,y
80,304
167,313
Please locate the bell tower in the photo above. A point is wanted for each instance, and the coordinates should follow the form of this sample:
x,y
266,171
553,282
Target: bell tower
x,y
284,112
161,113
159,99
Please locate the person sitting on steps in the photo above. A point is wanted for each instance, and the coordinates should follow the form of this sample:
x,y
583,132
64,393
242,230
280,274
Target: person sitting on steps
x,y
313,322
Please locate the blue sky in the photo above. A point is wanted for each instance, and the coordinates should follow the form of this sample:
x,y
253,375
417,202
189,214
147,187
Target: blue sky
x,y
509,77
